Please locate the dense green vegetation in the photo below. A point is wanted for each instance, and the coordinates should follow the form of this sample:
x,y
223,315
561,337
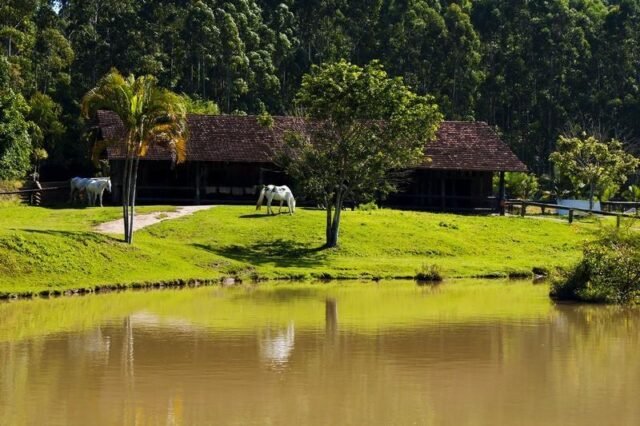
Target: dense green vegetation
x,y
57,249
535,69
608,272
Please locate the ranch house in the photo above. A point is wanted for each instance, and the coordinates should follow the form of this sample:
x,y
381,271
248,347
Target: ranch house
x,y
230,157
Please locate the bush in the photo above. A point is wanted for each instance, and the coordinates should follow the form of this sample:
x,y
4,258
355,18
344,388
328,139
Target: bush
x,y
429,273
608,273
371,205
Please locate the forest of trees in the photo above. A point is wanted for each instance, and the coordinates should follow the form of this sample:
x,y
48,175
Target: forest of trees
x,y
535,69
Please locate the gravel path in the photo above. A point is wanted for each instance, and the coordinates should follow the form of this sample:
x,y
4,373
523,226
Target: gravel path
x,y
144,220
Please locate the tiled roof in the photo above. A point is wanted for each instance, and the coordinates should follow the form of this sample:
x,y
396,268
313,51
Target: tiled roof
x,y
225,138
465,145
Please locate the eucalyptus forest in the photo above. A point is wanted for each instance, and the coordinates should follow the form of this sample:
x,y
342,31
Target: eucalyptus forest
x,y
533,69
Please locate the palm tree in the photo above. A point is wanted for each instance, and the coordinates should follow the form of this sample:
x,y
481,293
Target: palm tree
x,y
150,115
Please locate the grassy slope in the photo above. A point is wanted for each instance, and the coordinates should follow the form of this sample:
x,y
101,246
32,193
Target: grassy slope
x,y
44,248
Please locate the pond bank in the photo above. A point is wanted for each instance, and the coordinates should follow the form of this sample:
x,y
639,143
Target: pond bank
x,y
57,250
232,281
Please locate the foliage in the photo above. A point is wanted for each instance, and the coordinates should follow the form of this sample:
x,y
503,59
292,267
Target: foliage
x,y
480,60
370,206
520,185
359,125
593,165
429,273
608,272
200,106
632,193
150,115
15,142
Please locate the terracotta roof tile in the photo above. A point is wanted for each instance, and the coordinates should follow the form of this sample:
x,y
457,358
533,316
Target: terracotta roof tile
x,y
224,138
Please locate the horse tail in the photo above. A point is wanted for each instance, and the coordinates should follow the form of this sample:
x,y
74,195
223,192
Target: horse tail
x,y
264,189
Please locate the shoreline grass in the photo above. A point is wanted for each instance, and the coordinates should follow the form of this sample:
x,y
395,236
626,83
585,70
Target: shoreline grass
x,y
54,250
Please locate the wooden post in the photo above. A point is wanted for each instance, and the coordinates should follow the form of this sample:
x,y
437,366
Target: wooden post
x,y
570,215
523,209
501,195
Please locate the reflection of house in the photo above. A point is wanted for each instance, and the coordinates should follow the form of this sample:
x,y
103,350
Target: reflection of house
x,y
228,156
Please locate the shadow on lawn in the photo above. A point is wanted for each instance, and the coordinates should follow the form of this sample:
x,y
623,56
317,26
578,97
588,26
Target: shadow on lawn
x,y
82,236
283,253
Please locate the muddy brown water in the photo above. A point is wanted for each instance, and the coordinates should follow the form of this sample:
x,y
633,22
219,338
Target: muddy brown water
x,y
461,353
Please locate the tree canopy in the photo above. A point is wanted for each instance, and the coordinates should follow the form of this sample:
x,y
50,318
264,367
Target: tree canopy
x,y
593,166
531,68
359,125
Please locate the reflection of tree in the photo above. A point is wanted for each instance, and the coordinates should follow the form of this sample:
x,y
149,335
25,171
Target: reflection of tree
x,y
128,369
331,317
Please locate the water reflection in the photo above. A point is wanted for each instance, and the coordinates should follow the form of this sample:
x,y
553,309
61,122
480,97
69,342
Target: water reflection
x,y
470,353
276,346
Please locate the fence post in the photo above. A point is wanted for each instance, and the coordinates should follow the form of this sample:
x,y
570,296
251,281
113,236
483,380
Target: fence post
x,y
570,215
523,209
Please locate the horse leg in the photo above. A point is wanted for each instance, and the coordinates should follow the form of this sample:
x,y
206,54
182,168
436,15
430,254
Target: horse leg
x,y
280,209
100,195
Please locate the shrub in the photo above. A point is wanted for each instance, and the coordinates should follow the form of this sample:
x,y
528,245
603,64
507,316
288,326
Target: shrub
x,y
429,273
366,207
609,272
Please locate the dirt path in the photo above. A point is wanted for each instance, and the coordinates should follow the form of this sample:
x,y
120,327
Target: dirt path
x,y
144,220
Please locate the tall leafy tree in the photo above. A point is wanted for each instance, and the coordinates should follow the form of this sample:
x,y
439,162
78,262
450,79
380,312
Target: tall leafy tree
x,y
150,116
15,142
359,126
593,165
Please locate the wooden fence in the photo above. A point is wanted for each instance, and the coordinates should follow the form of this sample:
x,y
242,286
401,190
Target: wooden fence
x,y
523,204
38,193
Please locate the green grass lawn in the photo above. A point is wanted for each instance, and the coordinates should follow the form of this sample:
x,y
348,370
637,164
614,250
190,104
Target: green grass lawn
x,y
42,248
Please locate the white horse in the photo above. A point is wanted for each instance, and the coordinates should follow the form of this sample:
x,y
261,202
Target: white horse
x,y
278,193
95,190
78,185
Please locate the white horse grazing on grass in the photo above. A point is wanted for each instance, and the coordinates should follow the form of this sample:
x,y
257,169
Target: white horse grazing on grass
x,y
278,193
78,185
95,189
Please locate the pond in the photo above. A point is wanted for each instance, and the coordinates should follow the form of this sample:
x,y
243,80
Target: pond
x,y
460,353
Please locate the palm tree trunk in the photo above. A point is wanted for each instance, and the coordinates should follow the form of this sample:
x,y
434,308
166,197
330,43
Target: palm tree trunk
x,y
125,195
133,197
128,229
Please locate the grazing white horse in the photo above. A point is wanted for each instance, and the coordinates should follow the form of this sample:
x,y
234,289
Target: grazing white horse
x,y
78,185
95,190
278,193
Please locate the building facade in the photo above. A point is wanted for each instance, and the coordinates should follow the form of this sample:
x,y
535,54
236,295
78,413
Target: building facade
x,y
230,157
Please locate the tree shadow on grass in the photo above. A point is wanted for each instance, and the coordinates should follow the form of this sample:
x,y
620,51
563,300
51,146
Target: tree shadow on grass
x,y
82,236
282,253
255,216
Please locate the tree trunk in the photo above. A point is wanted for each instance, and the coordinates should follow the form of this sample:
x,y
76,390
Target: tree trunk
x,y
127,202
125,194
329,206
334,232
134,186
591,196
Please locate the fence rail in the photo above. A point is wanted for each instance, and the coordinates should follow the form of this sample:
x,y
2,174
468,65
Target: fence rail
x,y
525,203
